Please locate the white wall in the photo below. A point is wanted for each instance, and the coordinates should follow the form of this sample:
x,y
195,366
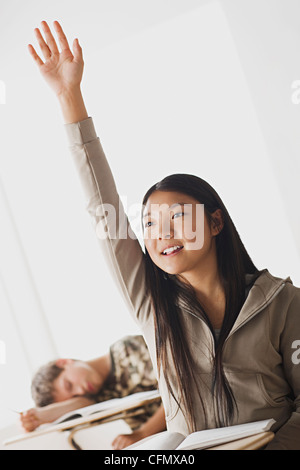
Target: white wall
x,y
169,89
266,35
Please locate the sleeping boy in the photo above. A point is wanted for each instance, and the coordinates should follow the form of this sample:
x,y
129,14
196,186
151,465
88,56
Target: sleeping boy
x,y
65,385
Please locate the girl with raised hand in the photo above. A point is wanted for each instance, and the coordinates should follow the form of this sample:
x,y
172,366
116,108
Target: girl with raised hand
x,y
220,332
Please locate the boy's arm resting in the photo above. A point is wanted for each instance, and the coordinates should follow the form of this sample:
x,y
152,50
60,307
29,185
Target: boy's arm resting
x,y
34,417
120,246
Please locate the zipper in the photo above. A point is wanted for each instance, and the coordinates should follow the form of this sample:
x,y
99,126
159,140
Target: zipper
x,y
205,326
256,312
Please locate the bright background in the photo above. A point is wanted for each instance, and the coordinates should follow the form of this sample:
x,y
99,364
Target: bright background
x,y
202,87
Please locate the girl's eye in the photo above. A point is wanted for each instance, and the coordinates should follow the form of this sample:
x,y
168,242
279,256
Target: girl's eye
x,y
178,214
148,224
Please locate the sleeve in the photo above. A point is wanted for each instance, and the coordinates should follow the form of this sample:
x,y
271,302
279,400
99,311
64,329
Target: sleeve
x,y
133,366
288,436
122,250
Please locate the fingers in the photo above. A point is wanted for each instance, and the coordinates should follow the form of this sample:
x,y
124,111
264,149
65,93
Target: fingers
x,y
49,46
63,42
50,39
77,51
117,443
29,420
35,56
43,45
123,440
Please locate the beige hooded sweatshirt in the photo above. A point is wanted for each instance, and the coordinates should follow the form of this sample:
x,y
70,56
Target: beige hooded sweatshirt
x,y
260,353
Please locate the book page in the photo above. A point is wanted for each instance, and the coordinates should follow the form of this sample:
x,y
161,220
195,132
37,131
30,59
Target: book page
x,y
106,405
162,441
100,437
87,410
211,437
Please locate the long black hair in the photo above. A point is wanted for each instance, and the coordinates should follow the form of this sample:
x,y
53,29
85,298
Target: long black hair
x,y
172,345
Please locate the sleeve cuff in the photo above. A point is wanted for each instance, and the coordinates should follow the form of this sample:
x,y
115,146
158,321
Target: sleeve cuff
x,y
81,132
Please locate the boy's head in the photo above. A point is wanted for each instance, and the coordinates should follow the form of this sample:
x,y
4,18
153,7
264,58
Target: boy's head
x,y
63,379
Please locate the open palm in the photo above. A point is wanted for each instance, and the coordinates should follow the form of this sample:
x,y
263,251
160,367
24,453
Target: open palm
x,y
63,69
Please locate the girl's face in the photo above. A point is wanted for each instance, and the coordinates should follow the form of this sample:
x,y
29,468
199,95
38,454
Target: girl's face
x,y
177,234
76,379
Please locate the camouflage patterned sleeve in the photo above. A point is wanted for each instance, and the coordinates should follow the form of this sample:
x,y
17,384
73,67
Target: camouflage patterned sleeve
x,y
134,373
132,365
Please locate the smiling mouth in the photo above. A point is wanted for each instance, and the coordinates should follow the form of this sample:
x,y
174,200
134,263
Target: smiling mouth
x,y
172,250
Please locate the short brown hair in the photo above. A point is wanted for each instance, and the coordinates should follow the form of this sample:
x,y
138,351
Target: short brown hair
x,y
42,384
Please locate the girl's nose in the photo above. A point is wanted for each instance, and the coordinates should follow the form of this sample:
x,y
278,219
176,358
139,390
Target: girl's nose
x,y
165,231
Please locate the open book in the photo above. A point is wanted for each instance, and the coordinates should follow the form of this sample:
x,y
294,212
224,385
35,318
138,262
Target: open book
x,y
100,412
201,439
113,404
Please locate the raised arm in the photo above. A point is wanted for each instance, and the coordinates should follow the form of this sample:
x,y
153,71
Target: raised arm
x,y
63,71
